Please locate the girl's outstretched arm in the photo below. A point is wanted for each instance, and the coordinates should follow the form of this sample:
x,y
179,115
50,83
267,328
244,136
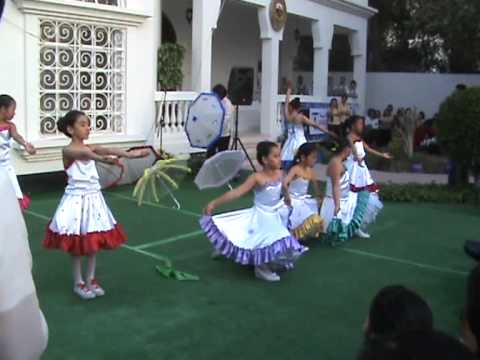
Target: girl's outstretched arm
x,y
286,183
307,121
105,151
86,153
385,155
287,99
231,195
19,139
316,187
335,170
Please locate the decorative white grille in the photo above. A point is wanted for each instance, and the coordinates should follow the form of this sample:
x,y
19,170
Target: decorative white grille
x,y
107,2
82,67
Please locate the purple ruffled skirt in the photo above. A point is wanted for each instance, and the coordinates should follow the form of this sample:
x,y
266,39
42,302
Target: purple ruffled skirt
x,y
254,236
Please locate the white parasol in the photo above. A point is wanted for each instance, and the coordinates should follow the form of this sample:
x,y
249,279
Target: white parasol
x,y
219,169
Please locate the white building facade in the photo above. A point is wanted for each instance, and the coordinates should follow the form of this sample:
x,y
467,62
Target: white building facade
x,y
99,56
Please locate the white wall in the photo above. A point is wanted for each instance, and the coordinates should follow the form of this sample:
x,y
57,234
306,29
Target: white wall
x,y
12,73
19,75
424,91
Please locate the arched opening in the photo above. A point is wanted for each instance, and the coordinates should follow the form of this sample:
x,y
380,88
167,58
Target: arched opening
x,y
168,31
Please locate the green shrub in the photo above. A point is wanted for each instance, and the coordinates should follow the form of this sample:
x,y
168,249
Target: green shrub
x,y
441,194
459,129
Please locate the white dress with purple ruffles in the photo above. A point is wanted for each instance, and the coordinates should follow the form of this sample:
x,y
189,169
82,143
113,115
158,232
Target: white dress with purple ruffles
x,y
254,236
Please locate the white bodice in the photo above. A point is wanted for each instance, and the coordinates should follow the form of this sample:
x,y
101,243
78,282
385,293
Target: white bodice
x,y
5,143
268,194
296,130
82,177
299,187
359,149
344,186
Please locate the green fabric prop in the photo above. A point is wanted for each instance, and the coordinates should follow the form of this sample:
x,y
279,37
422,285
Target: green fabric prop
x,y
170,273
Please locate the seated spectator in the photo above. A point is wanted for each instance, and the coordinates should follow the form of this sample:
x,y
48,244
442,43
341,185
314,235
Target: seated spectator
x,y
430,345
395,310
471,320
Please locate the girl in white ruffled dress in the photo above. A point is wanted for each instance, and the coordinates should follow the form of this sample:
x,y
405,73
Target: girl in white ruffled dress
x,y
342,214
360,177
8,131
257,236
296,133
83,224
304,220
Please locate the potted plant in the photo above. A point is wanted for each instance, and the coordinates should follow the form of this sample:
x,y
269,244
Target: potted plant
x,y
170,77
170,62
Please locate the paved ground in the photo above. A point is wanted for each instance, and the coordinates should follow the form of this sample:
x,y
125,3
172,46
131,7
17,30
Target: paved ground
x,y
381,177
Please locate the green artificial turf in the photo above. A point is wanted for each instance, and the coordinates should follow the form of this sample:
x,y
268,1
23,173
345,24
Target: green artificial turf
x,y
315,312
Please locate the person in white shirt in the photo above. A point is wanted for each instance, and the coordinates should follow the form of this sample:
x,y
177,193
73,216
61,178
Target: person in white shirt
x,y
224,140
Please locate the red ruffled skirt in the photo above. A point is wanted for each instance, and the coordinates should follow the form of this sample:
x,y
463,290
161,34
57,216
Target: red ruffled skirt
x,y
83,225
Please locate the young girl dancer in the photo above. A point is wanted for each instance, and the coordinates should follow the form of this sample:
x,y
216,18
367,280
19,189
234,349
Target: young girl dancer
x,y
338,204
296,133
83,223
360,178
8,131
256,236
304,220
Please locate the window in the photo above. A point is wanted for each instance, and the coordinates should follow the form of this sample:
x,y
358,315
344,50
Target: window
x,y
82,66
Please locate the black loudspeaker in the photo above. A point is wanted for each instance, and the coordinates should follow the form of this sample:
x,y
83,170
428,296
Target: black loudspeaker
x,y
240,86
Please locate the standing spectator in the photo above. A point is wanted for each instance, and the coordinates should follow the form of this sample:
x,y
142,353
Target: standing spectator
x,y
224,141
352,90
301,87
342,88
334,117
344,109
387,117
371,121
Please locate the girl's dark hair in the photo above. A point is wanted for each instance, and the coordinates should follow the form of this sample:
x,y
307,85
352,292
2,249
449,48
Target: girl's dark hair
x,y
6,101
332,100
304,151
220,90
68,120
264,148
295,104
341,144
396,310
350,123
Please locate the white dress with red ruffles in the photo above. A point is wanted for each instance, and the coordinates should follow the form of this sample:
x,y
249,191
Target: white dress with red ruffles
x,y
5,163
83,223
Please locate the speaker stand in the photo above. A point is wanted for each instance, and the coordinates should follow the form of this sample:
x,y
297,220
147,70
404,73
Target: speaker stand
x,y
237,141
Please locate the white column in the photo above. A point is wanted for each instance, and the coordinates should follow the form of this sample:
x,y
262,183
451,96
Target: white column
x,y
358,45
322,33
157,33
270,70
205,16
